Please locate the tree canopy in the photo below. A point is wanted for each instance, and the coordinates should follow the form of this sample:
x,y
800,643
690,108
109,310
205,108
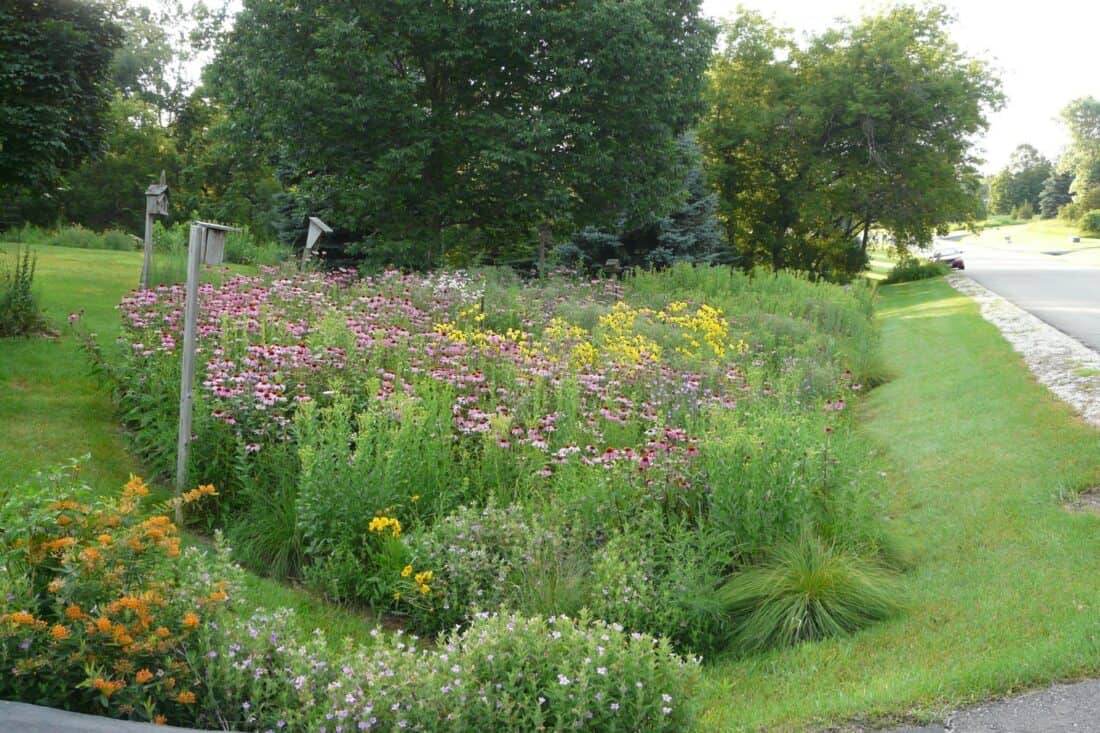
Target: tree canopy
x,y
1021,182
436,127
55,60
867,125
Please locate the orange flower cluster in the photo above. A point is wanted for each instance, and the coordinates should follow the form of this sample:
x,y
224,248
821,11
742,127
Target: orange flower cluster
x,y
110,558
196,494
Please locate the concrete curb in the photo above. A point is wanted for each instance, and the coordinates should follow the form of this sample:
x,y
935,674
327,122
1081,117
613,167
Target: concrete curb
x,y
19,717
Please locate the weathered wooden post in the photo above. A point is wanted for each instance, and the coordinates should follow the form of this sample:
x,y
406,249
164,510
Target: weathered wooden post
x,y
316,229
206,246
156,204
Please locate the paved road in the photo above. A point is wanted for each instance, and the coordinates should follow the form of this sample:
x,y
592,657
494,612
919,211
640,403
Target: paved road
x,y
1057,709
1064,294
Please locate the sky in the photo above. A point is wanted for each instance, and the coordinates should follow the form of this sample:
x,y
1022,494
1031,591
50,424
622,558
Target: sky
x,y
1046,53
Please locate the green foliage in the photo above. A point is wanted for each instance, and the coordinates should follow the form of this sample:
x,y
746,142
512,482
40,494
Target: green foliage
x,y
1055,193
1018,188
909,269
107,191
691,233
808,590
74,236
867,126
1082,156
20,314
1090,222
55,60
544,139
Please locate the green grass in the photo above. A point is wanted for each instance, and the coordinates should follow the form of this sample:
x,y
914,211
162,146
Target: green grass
x,y
52,407
1001,583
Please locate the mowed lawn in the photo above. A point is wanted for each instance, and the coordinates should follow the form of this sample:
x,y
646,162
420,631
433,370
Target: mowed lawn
x,y
51,405
1003,591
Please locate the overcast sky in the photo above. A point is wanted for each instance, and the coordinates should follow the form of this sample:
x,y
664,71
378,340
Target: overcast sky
x,y
1047,54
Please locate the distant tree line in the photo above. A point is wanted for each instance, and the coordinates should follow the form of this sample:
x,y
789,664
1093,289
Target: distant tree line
x,y
523,132
1032,185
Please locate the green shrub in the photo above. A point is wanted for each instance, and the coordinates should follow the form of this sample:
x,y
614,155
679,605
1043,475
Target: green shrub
x,y
1090,223
807,591
472,555
20,314
909,269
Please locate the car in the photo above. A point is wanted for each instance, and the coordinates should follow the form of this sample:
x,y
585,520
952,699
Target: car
x,y
950,256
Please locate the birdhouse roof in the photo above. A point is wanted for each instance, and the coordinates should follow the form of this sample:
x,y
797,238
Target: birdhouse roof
x,y
218,227
156,189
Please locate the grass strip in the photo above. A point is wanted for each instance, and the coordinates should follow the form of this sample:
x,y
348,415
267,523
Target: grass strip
x,y
1000,582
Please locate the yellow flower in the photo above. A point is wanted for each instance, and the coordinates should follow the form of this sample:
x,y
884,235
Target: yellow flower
x,y
381,524
406,571
415,498
397,595
423,577
425,589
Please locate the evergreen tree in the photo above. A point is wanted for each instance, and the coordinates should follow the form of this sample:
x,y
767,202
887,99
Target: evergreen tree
x,y
1055,193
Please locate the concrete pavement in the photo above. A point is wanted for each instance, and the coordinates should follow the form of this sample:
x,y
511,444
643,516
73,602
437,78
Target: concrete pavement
x,y
18,717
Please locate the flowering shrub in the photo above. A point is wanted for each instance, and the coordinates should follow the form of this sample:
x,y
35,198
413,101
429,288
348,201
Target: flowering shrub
x,y
105,613
502,673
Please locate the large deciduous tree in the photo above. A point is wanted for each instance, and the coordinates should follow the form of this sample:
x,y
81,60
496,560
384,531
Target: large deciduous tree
x,y
55,60
466,125
867,126
1021,182
1082,156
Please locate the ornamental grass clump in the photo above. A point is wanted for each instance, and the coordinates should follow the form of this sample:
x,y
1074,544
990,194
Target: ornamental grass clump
x,y
808,590
104,612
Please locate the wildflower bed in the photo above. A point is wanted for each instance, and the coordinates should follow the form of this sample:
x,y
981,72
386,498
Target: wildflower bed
x,y
468,451
436,445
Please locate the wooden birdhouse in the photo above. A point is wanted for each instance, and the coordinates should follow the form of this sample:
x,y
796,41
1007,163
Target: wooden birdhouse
x,y
316,229
213,242
156,198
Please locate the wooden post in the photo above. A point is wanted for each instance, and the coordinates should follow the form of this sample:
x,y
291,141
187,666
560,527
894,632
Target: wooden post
x,y
147,262
187,377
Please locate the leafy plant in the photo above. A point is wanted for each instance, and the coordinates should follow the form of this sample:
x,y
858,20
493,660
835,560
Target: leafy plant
x,y
1090,222
20,314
